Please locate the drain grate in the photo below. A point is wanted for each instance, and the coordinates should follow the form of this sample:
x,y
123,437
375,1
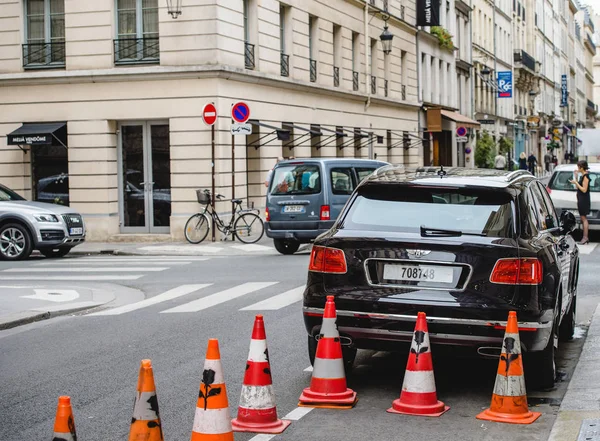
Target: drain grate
x,y
590,430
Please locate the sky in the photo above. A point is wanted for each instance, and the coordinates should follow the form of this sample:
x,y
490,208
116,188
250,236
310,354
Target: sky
x,y
595,4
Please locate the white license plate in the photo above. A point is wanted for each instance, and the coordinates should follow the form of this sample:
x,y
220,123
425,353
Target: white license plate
x,y
421,273
293,209
76,231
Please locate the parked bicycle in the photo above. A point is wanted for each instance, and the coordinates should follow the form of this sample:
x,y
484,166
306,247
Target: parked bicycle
x,y
245,224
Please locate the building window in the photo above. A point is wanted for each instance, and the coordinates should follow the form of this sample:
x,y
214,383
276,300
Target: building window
x,y
312,50
137,32
355,61
45,32
285,58
249,58
337,54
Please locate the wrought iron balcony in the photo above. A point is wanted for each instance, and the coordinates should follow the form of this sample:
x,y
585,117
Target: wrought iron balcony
x,y
137,51
385,5
44,55
249,60
355,83
336,76
285,65
313,71
373,85
385,88
403,91
590,41
591,106
402,13
520,56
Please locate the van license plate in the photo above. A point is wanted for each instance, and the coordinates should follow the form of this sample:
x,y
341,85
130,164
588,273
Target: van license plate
x,y
76,231
421,273
293,209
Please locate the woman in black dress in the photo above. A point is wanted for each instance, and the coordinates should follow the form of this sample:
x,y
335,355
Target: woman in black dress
x,y
583,197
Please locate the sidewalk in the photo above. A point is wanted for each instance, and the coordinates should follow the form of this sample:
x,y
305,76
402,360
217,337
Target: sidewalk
x,y
582,400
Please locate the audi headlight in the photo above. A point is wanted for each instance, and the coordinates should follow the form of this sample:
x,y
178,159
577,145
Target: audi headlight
x,y
45,218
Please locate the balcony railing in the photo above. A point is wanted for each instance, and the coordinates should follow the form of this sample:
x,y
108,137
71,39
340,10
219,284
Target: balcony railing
x,y
373,85
313,71
520,56
591,105
385,88
137,51
403,91
285,65
336,76
385,5
355,80
249,60
43,55
590,41
402,13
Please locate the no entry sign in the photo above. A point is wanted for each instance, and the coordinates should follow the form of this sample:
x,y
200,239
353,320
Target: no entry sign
x,y
209,114
240,112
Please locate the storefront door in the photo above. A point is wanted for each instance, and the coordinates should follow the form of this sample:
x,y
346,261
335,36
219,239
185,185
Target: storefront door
x,y
145,177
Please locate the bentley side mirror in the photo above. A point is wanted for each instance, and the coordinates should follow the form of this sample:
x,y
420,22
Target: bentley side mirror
x,y
567,222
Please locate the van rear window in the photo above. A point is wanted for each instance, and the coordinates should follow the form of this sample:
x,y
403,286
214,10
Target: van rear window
x,y
296,179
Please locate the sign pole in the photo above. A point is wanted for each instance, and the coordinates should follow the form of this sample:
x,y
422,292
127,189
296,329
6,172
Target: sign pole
x,y
232,179
212,143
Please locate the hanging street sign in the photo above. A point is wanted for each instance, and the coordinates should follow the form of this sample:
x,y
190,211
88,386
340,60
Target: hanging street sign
x,y
462,139
505,84
240,112
209,114
241,129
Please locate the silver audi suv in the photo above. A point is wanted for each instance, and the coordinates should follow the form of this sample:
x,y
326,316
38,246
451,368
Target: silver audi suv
x,y
26,226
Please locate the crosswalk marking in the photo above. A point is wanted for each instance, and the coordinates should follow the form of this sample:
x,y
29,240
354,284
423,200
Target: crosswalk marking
x,y
130,262
277,302
168,295
220,297
94,278
87,270
136,259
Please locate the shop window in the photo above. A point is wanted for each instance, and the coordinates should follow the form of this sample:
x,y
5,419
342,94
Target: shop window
x,y
49,167
45,34
137,32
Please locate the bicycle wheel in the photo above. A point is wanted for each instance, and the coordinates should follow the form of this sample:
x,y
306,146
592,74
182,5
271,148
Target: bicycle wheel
x,y
249,228
196,228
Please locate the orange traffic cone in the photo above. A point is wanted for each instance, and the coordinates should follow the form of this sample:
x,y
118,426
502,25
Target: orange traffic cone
x,y
212,421
64,424
509,400
419,396
257,411
145,424
328,384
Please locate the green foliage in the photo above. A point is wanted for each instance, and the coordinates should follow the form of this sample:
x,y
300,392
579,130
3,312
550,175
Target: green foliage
x,y
484,151
444,37
505,145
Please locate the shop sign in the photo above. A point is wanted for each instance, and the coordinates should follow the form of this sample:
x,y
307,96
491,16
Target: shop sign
x,y
29,139
505,84
428,13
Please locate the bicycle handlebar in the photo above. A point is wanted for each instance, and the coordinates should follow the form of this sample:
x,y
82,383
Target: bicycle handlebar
x,y
219,196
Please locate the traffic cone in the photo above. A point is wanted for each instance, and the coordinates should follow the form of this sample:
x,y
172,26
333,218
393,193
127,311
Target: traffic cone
x,y
328,384
257,411
419,396
145,424
509,400
212,421
64,424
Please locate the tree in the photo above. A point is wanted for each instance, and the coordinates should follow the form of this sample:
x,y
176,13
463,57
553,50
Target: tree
x,y
484,151
505,145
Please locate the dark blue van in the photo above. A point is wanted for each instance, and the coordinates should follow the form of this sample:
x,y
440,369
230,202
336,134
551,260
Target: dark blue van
x,y
305,196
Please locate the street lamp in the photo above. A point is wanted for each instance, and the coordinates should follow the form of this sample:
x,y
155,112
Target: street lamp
x,y
174,7
386,38
485,72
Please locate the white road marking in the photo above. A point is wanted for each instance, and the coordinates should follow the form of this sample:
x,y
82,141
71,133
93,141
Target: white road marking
x,y
277,302
252,247
115,269
79,278
186,248
168,295
54,295
220,297
588,248
104,262
298,413
145,258
262,437
308,369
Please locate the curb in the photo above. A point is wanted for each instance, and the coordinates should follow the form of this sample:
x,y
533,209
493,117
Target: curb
x,y
37,317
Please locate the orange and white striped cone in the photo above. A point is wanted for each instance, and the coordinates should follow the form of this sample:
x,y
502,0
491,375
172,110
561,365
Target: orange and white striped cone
x,y
64,423
212,421
257,411
418,395
509,400
145,424
328,387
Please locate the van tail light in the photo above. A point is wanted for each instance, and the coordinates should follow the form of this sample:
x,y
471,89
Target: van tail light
x,y
327,260
325,213
527,271
267,215
548,189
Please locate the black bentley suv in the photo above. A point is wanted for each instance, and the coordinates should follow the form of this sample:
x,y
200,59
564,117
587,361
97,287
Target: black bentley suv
x,y
465,246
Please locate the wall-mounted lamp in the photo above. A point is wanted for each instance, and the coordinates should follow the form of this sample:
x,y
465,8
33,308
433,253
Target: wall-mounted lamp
x,y
386,38
174,8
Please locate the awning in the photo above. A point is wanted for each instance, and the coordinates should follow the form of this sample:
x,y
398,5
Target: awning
x,y
39,134
460,119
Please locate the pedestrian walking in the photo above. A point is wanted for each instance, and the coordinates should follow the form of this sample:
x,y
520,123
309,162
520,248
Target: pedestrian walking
x,y
531,163
499,162
522,161
268,180
547,161
583,196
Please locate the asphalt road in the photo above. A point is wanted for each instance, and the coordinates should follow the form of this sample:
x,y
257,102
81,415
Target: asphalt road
x,y
95,357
